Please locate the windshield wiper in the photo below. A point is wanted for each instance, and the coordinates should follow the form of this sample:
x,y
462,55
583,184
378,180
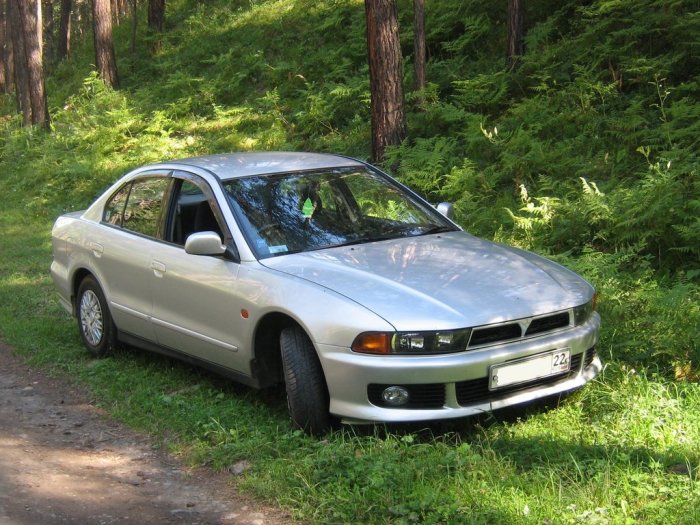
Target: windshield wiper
x,y
437,229
363,240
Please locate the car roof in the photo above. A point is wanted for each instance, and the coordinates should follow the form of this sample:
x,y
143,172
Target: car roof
x,y
232,165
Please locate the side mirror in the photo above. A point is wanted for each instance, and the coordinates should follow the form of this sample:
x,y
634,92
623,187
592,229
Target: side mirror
x,y
204,243
447,209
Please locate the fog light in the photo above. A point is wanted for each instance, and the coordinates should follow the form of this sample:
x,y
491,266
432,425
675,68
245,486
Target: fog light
x,y
395,396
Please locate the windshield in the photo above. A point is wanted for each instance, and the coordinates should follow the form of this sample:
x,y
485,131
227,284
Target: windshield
x,y
297,212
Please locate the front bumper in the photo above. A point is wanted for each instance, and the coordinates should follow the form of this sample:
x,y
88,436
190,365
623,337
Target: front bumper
x,y
457,383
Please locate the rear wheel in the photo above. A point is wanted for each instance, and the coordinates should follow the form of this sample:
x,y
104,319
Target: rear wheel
x,y
95,323
307,394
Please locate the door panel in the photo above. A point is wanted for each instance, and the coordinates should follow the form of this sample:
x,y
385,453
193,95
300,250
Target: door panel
x,y
196,302
197,308
124,263
122,252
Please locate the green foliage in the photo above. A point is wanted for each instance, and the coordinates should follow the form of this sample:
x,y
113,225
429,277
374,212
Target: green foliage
x,y
649,321
586,153
588,148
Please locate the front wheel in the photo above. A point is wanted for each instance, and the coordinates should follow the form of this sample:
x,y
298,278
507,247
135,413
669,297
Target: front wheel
x,y
95,323
307,394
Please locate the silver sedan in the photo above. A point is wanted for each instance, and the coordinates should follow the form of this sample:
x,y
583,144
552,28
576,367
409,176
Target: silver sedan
x,y
325,274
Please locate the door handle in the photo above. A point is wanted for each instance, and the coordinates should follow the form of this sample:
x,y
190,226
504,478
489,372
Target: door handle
x,y
96,248
158,268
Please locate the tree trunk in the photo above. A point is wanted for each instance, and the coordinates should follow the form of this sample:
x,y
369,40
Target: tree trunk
x,y
385,76
156,22
48,52
64,31
118,11
514,46
134,26
31,27
38,18
104,45
156,15
9,48
3,55
114,9
24,104
81,10
419,43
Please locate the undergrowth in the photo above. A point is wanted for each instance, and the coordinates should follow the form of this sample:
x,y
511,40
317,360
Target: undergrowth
x,y
587,154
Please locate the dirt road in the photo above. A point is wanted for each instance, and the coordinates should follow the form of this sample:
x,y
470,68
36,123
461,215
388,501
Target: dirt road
x,y
62,461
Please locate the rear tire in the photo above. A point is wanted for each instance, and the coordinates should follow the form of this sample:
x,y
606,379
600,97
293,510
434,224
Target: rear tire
x,y
95,323
307,393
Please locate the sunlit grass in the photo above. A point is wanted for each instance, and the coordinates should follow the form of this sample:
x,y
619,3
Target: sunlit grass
x,y
282,75
622,449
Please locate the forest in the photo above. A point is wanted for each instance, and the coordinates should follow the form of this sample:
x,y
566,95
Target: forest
x,y
570,128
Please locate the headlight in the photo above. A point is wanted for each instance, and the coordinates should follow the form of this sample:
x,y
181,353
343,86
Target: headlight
x,y
412,343
583,313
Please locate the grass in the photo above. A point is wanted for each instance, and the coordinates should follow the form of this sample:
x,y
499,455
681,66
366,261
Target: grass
x,y
623,450
283,75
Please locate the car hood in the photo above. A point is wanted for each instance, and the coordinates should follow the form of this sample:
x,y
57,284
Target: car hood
x,y
443,281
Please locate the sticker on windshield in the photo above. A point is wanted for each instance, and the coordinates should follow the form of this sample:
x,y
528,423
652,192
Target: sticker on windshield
x,y
308,209
281,248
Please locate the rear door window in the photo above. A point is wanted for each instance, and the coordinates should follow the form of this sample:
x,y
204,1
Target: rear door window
x,y
138,206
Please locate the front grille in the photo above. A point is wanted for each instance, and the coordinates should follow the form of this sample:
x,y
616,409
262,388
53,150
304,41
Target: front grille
x,y
431,395
483,335
477,390
550,322
504,332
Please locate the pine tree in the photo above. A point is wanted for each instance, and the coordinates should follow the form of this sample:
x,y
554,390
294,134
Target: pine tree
x,y
63,48
419,43
104,45
515,47
385,75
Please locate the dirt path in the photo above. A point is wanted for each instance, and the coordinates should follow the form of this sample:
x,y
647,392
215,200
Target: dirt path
x,y
62,461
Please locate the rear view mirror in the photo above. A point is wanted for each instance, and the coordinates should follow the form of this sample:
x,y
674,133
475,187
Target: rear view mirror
x,y
447,209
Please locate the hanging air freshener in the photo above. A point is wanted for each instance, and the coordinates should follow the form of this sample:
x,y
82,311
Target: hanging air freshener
x,y
308,209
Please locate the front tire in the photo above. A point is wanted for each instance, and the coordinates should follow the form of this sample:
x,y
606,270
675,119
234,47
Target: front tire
x,y
307,394
95,324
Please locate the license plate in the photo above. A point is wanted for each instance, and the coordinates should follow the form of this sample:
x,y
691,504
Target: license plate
x,y
530,369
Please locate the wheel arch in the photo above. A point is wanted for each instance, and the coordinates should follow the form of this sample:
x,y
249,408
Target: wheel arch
x,y
267,357
78,276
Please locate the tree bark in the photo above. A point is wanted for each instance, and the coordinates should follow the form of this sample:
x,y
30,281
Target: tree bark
x,y
113,8
9,48
105,59
38,24
48,52
385,76
64,31
156,15
3,46
156,22
24,105
134,26
81,11
419,59
32,29
118,11
514,47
